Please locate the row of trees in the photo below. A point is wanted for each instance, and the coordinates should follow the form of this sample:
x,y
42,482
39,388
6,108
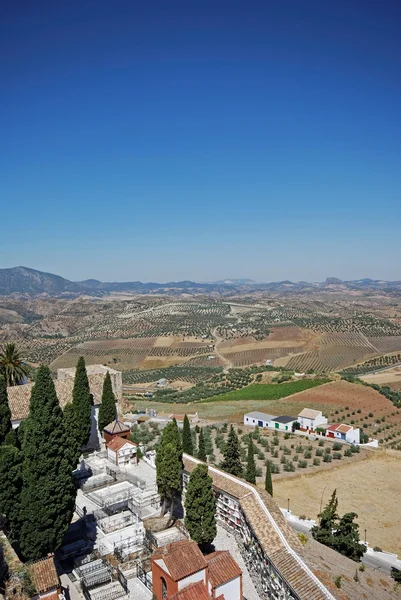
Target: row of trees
x,y
37,492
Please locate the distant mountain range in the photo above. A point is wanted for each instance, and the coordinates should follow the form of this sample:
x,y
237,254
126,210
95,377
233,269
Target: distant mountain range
x,y
22,280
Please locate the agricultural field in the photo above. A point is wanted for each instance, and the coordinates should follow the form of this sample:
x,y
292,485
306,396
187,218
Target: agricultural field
x,y
273,391
374,364
368,487
390,378
357,405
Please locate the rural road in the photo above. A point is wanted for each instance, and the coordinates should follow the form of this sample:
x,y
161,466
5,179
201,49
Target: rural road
x,y
222,358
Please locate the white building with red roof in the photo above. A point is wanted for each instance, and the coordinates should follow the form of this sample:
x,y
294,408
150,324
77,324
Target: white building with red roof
x,y
122,452
346,433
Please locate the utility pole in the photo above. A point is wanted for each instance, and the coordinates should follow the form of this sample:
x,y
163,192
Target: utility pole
x,y
321,499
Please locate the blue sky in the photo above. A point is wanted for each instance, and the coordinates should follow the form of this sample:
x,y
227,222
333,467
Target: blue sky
x,y
201,140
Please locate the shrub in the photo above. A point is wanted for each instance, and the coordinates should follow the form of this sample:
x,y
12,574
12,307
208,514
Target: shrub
x,y
276,441
362,567
377,549
327,450
359,411
337,581
327,458
321,442
307,454
348,452
316,462
319,452
303,538
337,446
370,414
302,464
337,455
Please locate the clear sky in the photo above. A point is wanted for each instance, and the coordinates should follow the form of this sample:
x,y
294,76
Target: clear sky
x,y
164,140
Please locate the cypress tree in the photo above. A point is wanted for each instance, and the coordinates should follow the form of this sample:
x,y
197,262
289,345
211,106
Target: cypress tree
x,y
200,507
169,465
250,474
81,400
268,480
201,447
232,458
10,488
72,429
187,445
48,491
12,438
5,412
107,410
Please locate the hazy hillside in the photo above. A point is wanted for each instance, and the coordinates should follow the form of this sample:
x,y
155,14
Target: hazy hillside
x,y
22,280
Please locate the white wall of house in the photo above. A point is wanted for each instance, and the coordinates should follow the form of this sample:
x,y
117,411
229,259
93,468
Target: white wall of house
x,y
282,426
111,455
253,422
353,436
231,589
199,576
308,423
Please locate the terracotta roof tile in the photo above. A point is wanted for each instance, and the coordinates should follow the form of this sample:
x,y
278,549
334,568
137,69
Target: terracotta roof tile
x,y
116,426
19,396
194,591
222,568
44,575
182,558
309,413
118,442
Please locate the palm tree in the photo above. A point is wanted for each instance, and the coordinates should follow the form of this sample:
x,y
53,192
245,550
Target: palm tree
x,y
12,365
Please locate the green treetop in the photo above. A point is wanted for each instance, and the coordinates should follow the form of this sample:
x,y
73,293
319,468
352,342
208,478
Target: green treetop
x,y
48,491
202,447
169,465
346,537
107,410
73,432
268,480
81,400
187,445
250,474
5,412
232,458
200,507
10,488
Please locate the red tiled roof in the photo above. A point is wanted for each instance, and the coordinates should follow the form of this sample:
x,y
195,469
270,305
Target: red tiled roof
x,y
44,575
182,558
117,443
116,426
222,567
341,427
194,591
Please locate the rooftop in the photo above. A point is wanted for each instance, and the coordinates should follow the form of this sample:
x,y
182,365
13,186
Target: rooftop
x,y
182,559
19,396
222,568
309,413
116,426
194,591
284,419
260,416
44,575
341,427
117,443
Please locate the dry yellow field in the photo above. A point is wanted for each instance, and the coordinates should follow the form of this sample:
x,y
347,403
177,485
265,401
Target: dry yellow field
x,y
371,488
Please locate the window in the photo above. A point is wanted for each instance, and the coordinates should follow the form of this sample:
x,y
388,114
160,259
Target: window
x,y
164,588
260,423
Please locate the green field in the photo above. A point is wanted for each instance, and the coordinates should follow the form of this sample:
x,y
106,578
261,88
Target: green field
x,y
268,391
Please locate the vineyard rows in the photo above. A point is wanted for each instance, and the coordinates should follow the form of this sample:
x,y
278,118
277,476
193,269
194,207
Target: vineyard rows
x,y
249,357
374,364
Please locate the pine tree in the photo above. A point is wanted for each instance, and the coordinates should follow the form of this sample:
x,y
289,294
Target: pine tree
x,y
72,428
232,458
250,474
268,480
346,537
169,465
10,488
201,447
48,491
187,445
107,410
328,518
200,507
12,438
5,412
81,400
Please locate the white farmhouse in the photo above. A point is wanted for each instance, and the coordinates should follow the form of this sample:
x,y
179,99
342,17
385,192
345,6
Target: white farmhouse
x,y
347,433
259,419
311,419
122,452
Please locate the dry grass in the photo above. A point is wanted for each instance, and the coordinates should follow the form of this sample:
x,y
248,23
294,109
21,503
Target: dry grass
x,y
369,487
